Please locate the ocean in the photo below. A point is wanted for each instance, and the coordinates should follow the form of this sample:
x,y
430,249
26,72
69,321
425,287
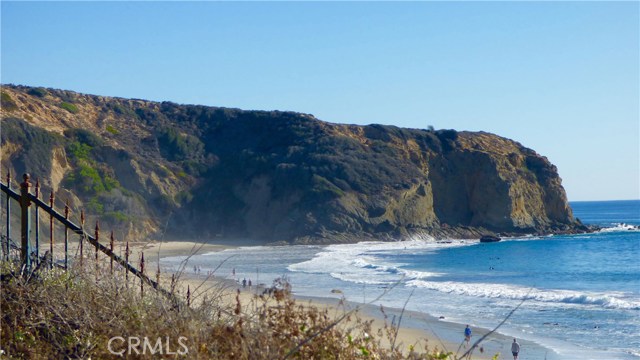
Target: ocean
x,y
579,295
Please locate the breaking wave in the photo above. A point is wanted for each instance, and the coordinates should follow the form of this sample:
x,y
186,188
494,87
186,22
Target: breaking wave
x,y
361,263
510,292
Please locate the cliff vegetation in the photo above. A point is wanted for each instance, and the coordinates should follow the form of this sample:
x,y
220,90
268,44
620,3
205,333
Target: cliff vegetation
x,y
189,171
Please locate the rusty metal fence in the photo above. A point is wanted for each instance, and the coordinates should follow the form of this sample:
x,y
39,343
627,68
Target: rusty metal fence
x,y
30,257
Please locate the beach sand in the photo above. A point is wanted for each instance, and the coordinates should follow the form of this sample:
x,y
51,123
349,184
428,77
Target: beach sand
x,y
416,329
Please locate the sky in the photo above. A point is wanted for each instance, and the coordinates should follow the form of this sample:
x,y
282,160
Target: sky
x,y
561,78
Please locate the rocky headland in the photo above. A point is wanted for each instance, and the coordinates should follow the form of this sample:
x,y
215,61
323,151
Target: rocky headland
x,y
154,169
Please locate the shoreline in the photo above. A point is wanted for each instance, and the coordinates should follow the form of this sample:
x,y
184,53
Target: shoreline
x,y
417,328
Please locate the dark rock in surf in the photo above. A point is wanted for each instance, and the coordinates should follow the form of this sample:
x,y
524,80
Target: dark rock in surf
x,y
489,239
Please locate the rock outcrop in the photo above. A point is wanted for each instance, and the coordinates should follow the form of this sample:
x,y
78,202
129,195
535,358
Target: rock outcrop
x,y
203,172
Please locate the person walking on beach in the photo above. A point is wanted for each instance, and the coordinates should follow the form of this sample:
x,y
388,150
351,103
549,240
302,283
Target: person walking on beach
x,y
515,349
467,334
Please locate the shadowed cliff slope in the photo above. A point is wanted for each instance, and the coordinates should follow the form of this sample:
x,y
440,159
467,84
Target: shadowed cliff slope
x,y
203,172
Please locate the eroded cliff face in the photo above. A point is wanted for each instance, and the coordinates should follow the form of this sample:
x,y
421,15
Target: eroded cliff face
x,y
202,172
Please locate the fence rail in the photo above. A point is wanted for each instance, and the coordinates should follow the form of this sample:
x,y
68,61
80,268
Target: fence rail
x,y
25,199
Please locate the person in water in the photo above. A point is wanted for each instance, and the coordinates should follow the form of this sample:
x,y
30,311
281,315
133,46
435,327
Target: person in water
x,y
515,349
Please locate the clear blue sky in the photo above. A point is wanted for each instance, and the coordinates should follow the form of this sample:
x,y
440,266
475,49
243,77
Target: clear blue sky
x,y
561,78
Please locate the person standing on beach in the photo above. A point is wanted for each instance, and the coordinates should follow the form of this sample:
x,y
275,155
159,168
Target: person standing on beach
x,y
467,334
515,349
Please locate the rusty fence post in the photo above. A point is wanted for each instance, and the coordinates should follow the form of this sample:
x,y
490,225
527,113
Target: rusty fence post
x,y
66,236
81,236
141,278
51,228
37,195
6,245
97,235
188,296
111,248
158,273
25,220
126,259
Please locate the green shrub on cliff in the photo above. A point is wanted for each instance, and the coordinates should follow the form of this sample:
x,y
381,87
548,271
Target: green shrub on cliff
x,y
90,177
84,136
117,217
175,146
95,206
112,130
39,92
69,107
323,186
37,145
79,151
7,102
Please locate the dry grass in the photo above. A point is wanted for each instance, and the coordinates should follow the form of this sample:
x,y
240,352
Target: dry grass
x,y
55,314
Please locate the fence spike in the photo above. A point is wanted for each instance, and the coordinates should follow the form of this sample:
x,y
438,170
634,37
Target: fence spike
x,y
51,199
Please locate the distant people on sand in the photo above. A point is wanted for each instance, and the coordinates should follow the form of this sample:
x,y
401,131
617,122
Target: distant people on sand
x,y
515,349
467,334
249,282
244,282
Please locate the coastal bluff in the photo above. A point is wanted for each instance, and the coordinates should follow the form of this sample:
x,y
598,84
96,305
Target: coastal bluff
x,y
160,169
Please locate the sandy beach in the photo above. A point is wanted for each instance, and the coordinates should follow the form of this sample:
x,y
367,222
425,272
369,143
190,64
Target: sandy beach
x,y
416,329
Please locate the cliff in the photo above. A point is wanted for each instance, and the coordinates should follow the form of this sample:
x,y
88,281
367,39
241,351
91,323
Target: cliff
x,y
201,172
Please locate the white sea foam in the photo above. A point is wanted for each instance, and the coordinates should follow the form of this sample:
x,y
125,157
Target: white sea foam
x,y
512,292
620,227
360,263
635,353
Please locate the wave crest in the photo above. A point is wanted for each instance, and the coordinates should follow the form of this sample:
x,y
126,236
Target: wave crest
x,y
509,292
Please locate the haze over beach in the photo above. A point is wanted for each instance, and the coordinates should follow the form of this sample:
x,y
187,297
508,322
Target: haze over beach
x,y
561,78
327,180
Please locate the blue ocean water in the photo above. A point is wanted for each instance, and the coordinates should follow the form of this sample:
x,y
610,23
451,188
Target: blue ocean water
x,y
578,294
